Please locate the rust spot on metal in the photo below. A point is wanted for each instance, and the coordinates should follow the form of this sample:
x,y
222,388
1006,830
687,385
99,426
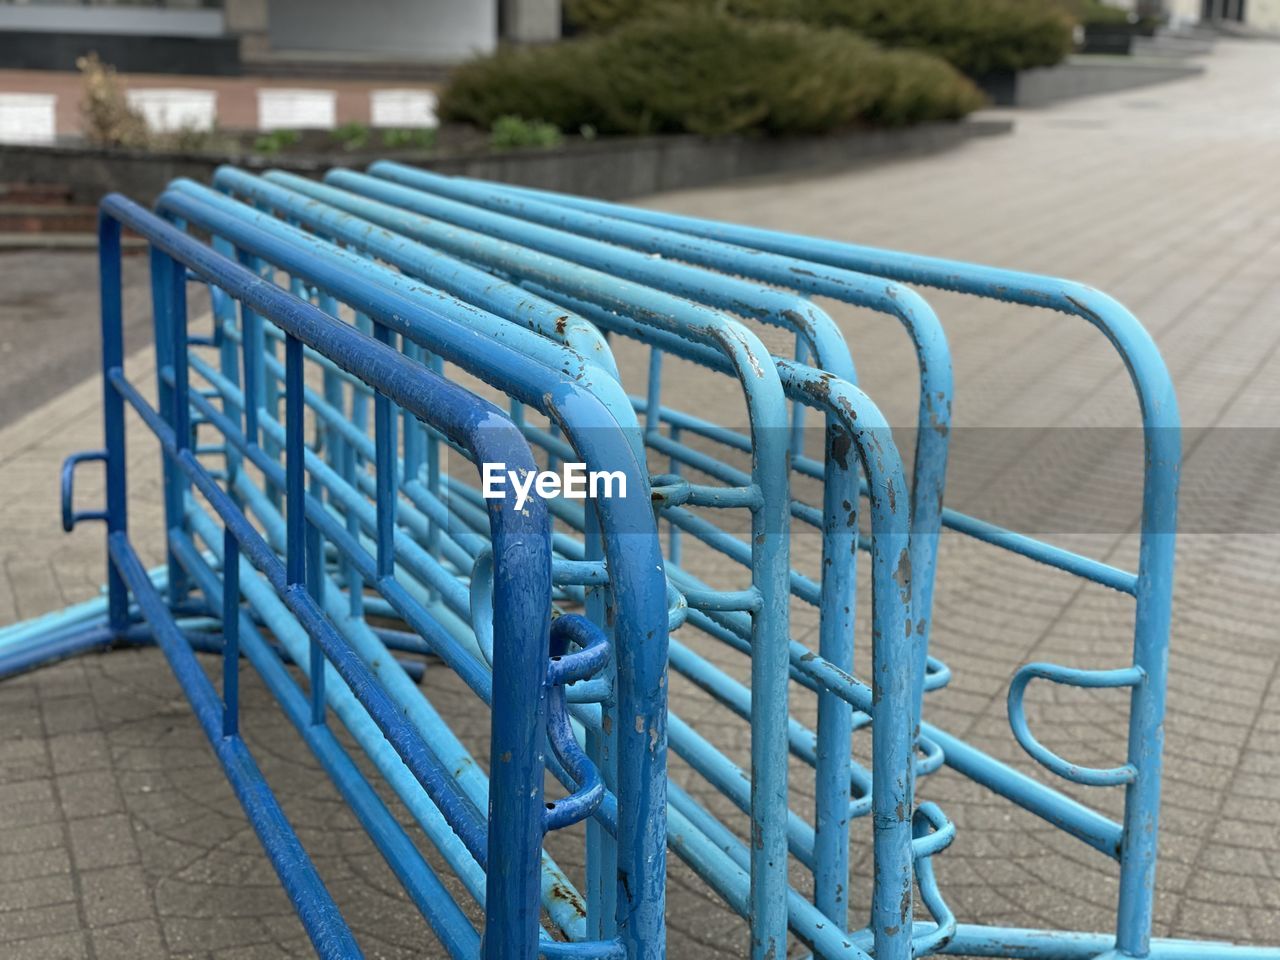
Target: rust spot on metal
x,y
565,894
841,443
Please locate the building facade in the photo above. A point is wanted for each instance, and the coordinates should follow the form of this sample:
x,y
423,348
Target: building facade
x,y
1261,15
220,37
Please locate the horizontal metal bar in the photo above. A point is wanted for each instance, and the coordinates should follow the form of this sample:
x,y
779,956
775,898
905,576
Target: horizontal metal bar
x,y
1042,552
1093,828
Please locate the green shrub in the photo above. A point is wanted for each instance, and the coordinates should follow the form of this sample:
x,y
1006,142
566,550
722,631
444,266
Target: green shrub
x,y
978,36
415,138
351,136
598,16
697,72
277,141
511,132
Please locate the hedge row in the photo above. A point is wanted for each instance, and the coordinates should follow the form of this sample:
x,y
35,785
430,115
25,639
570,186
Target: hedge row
x,y
977,36
691,70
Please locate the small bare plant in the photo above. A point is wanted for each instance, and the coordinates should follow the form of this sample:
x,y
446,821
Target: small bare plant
x,y
109,120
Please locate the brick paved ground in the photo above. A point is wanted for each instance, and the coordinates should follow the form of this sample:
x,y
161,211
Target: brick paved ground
x,y
119,838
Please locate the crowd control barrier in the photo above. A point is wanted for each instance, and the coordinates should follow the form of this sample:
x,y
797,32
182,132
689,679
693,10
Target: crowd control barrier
x,y
325,453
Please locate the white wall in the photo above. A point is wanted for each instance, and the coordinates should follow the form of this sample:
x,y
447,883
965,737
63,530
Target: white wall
x,y
437,31
1263,14
1183,11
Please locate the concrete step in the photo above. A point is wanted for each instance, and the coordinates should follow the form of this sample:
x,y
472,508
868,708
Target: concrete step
x,y
35,193
61,241
47,218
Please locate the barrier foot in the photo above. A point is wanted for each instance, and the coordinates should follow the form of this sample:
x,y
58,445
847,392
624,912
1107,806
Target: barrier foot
x,y
1016,943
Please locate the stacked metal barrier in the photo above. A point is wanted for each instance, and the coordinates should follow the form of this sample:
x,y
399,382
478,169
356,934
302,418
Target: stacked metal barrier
x,y
397,295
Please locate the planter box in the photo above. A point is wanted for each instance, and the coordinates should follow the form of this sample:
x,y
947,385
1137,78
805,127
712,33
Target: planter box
x,y
1082,76
1112,38
610,168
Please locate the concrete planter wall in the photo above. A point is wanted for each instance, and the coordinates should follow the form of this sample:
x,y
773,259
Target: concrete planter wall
x,y
1082,76
610,168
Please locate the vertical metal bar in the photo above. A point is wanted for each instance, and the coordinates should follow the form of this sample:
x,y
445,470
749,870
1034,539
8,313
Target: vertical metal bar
x,y
174,281
521,639
797,407
770,630
162,332
251,342
224,314
341,456
266,347
414,441
674,533
1147,703
602,849
112,312
384,430
298,542
295,471
434,467
836,645
230,634
315,587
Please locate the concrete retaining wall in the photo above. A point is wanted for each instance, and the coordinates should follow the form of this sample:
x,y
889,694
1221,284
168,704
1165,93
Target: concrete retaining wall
x,y
1083,76
611,169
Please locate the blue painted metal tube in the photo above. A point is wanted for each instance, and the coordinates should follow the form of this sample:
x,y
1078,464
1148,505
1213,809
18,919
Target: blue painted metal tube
x,y
75,615
488,331
769,531
417,562
680,736
558,891
416,875
426,767
324,924
112,330
267,604
842,491
868,434
39,651
933,357
458,202
1099,832
717,854
641,658
451,275
337,422
1162,457
1041,552
333,419
518,916
1018,943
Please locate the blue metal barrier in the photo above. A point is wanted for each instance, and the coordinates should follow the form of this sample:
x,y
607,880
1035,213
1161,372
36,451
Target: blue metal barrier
x,y
387,286
493,836
333,212
1133,841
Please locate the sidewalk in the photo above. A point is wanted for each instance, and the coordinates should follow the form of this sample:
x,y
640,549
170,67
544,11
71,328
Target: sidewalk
x,y
119,838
